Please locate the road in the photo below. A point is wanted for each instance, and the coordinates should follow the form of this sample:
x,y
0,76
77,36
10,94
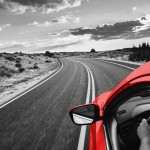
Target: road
x,y
39,119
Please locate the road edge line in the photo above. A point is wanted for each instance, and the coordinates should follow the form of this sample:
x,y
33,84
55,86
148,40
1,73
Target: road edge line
x,y
118,64
5,104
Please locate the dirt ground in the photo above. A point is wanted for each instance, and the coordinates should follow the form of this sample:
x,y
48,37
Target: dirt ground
x,y
19,72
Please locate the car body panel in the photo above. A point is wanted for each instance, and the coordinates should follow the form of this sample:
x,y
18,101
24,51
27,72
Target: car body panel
x,y
97,136
143,70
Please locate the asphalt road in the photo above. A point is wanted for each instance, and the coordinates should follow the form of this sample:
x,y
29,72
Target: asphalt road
x,y
39,120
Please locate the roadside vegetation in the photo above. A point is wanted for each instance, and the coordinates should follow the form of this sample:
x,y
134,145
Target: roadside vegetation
x,y
135,54
141,53
20,68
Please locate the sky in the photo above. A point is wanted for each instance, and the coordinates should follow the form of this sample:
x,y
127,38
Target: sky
x,y
34,26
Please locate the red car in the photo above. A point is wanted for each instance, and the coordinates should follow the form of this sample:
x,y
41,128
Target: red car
x,y
115,115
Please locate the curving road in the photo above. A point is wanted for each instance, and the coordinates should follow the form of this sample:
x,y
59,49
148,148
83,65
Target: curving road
x,y
39,119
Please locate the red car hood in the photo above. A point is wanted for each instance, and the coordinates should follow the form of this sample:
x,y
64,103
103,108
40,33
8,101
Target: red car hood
x,y
104,99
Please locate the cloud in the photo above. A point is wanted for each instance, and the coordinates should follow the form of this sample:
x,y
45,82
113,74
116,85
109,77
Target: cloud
x,y
122,30
5,26
13,44
61,19
66,19
77,3
134,8
71,39
45,6
43,24
61,42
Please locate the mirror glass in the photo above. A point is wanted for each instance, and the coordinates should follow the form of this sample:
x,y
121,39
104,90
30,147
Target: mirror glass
x,y
84,114
81,120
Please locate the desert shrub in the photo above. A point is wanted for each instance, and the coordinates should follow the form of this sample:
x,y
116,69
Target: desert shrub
x,y
5,71
21,54
141,53
48,61
93,50
21,69
47,53
18,65
35,66
18,60
10,58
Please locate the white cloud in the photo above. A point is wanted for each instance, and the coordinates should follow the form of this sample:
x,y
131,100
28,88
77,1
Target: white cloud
x,y
43,24
77,20
47,7
35,23
42,43
71,38
77,3
5,26
62,19
6,44
19,9
63,6
134,8
67,19
146,24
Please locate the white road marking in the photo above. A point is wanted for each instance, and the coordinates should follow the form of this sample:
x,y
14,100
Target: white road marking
x,y
90,80
118,64
32,88
93,84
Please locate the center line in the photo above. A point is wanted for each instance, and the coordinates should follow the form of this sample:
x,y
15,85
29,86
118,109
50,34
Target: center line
x,y
90,80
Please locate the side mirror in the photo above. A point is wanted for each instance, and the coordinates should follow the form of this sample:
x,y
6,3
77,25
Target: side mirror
x,y
85,114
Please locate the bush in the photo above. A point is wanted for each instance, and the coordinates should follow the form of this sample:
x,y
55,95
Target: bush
x,y
18,60
18,65
35,66
21,69
93,51
10,58
47,53
4,71
141,53
48,61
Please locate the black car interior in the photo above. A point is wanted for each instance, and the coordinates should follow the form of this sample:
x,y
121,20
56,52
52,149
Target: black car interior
x,y
129,109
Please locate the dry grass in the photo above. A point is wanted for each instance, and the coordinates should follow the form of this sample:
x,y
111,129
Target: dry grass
x,y
6,72
17,69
